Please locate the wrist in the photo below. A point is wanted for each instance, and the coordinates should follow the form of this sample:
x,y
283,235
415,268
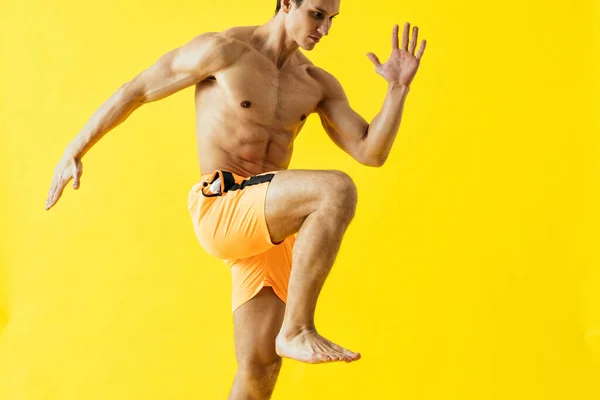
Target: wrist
x,y
72,151
397,86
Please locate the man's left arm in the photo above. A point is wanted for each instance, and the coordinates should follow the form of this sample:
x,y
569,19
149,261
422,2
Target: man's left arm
x,y
370,144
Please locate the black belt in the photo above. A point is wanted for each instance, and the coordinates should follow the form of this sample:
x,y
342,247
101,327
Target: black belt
x,y
230,185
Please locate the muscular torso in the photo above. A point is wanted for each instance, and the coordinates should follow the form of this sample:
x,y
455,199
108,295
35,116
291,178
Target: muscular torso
x,y
249,113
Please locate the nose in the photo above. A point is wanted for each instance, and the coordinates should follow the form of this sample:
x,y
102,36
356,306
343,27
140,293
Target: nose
x,y
324,28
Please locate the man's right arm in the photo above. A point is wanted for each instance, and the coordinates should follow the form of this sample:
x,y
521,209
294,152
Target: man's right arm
x,y
203,56
174,71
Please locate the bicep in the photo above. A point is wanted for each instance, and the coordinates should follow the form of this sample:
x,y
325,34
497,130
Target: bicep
x,y
343,125
177,70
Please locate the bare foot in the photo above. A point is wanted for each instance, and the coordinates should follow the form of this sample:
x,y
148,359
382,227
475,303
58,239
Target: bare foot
x,y
310,347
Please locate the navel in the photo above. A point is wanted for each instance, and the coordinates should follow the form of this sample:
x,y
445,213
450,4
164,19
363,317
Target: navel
x,y
245,104
303,117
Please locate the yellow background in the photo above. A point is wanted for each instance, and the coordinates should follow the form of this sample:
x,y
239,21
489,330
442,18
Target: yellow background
x,y
471,270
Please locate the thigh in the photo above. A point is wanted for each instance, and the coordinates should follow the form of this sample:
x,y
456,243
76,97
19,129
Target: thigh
x,y
292,195
231,225
269,269
256,325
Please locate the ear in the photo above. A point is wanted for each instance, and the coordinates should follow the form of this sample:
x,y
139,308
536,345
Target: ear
x,y
286,6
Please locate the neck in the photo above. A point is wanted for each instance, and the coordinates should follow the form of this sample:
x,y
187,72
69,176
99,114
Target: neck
x,y
272,39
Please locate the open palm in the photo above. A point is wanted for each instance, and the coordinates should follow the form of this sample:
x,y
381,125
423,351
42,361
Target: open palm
x,y
403,64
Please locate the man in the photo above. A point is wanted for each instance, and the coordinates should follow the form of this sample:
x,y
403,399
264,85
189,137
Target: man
x,y
254,91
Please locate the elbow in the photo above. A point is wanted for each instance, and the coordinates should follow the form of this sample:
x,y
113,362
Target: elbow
x,y
130,93
373,161
376,163
369,156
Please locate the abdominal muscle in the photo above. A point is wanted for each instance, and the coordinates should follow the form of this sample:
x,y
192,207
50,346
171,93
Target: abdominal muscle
x,y
232,138
229,150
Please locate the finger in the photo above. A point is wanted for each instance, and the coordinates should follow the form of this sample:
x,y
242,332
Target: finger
x,y
421,50
49,200
55,192
413,40
51,191
395,37
77,174
405,36
374,59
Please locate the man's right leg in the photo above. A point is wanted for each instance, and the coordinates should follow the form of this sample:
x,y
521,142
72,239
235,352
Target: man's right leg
x,y
319,206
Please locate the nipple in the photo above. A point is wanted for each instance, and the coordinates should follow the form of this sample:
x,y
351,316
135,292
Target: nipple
x,y
245,104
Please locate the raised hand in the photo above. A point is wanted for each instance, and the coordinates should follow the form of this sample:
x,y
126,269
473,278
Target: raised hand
x,y
402,65
68,168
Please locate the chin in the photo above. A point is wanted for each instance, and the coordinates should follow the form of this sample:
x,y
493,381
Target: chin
x,y
308,45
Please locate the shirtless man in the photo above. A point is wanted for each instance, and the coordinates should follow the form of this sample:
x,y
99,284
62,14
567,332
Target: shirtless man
x,y
254,91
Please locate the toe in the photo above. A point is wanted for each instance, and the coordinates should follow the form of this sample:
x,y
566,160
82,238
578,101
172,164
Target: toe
x,y
337,353
351,356
322,358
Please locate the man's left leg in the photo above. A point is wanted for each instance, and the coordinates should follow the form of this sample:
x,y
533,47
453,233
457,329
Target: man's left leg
x,y
256,325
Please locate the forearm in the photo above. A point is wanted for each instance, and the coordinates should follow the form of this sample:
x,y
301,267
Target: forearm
x,y
112,113
383,129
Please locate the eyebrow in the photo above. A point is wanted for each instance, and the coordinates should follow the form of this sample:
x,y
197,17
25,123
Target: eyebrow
x,y
324,12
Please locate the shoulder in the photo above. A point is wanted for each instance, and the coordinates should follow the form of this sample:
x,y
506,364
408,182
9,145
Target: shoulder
x,y
329,83
215,43
326,79
218,49
240,34
235,40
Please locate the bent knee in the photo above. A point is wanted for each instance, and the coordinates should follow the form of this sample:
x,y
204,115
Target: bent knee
x,y
342,193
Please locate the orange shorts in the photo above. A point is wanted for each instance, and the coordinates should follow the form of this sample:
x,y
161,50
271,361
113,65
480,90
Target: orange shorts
x,y
228,215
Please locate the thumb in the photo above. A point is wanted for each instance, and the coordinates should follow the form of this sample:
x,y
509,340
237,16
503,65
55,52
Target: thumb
x,y
77,174
374,59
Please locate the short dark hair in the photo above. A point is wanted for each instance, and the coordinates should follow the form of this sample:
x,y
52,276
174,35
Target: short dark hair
x,y
298,4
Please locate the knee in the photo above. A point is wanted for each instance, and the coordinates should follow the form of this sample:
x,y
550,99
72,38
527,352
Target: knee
x,y
341,194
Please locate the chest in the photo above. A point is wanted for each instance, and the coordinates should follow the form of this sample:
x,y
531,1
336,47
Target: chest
x,y
256,90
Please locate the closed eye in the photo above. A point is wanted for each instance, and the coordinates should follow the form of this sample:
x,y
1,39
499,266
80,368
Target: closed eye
x,y
321,15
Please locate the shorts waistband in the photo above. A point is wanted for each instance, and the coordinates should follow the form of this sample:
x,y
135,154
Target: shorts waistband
x,y
230,181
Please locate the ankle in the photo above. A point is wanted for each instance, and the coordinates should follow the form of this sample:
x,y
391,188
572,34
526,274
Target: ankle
x,y
291,329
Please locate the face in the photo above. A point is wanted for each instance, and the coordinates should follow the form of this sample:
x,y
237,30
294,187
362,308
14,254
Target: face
x,y
311,21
